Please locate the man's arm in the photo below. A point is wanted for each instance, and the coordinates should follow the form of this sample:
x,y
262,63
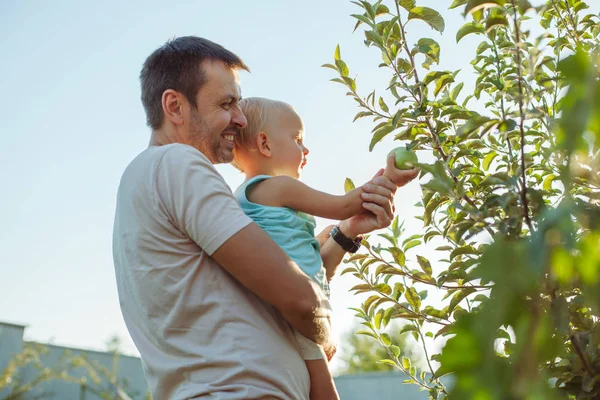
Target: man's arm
x,y
273,277
376,214
198,202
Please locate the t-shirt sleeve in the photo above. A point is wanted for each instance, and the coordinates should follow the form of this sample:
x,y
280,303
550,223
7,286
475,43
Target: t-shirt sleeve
x,y
196,198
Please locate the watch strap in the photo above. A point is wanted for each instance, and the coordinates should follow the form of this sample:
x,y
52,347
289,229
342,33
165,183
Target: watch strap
x,y
351,246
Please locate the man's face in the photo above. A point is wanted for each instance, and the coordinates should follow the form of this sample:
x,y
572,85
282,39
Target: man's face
x,y
217,119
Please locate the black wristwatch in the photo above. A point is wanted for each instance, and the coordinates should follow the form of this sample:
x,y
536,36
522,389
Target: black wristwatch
x,y
351,246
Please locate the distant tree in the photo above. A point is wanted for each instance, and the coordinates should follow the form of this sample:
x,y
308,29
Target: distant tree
x,y
97,379
12,384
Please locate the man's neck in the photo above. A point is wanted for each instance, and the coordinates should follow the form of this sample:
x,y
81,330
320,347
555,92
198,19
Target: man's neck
x,y
164,136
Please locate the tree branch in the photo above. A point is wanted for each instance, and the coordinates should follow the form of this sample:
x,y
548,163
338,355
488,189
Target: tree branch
x,y
522,120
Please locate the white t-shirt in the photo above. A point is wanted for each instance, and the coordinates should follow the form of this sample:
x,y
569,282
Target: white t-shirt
x,y
200,333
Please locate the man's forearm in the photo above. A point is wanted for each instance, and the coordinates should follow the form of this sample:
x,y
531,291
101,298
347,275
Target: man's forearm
x,y
315,325
332,253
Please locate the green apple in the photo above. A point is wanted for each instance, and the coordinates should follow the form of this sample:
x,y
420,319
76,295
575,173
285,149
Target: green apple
x,y
405,159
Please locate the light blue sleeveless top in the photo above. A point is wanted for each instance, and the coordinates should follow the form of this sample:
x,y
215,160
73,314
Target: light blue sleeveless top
x,y
292,230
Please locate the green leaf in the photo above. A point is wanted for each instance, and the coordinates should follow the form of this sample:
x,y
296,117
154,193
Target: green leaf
x,y
383,288
580,5
378,318
407,328
380,134
383,106
388,362
367,333
458,297
494,20
430,234
407,4
524,5
430,48
374,37
463,250
399,256
425,265
348,185
411,244
362,19
467,29
369,302
547,185
488,160
456,91
357,257
430,16
413,298
472,125
336,55
405,363
507,125
382,9
362,114
476,5
404,65
342,67
433,75
442,82
457,3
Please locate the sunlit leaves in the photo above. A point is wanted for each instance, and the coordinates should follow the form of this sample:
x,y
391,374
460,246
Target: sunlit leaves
x,y
430,48
494,271
407,4
348,185
429,15
467,29
478,5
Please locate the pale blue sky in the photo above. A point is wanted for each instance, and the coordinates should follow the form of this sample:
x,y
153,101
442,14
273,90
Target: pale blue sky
x,y
72,120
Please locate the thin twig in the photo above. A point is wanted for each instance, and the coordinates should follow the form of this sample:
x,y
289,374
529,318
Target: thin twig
x,y
581,355
522,120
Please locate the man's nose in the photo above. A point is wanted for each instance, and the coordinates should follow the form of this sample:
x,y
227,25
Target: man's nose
x,y
239,119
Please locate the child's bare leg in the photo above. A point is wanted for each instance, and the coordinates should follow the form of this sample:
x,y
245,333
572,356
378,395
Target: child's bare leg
x,y
322,386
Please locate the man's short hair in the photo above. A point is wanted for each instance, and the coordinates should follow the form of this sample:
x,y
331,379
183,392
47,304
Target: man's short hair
x,y
176,66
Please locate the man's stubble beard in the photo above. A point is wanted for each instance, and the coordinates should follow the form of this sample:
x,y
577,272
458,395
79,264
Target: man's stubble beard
x,y
202,139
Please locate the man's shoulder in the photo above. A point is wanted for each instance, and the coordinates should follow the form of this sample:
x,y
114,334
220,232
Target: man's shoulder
x,y
175,151
171,155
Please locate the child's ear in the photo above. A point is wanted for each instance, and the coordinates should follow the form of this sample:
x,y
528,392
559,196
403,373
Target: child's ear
x,y
262,143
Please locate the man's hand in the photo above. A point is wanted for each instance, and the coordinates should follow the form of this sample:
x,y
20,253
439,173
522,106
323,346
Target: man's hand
x,y
378,208
398,176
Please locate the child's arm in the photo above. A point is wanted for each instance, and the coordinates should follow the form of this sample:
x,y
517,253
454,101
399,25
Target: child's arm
x,y
284,191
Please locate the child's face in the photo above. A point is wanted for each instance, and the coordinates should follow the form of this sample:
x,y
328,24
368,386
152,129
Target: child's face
x,y
288,152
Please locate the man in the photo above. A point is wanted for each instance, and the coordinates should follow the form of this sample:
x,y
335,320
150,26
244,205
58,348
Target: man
x,y
207,296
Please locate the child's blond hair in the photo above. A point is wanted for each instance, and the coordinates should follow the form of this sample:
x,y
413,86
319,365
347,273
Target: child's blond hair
x,y
258,111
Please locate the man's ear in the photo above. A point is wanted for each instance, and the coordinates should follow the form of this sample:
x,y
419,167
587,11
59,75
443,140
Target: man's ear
x,y
262,143
173,105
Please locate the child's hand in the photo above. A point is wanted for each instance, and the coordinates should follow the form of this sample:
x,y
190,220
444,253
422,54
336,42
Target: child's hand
x,y
399,177
352,202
